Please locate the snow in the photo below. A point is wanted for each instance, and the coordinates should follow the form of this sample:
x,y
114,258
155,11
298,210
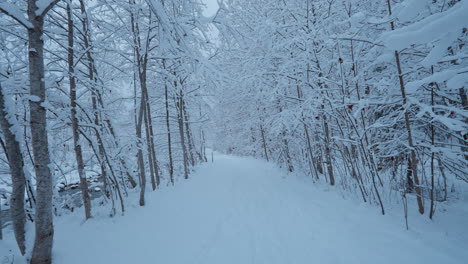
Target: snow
x,y
440,77
11,110
242,210
429,28
15,13
42,5
410,9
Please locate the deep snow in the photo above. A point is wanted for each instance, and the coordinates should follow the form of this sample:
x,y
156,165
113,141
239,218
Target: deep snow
x,y
242,210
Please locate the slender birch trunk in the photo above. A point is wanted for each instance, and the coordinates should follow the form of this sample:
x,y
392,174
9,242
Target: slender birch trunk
x,y
74,119
86,41
189,135
150,152
413,156
326,130
181,132
1,221
141,162
42,251
18,179
168,129
265,151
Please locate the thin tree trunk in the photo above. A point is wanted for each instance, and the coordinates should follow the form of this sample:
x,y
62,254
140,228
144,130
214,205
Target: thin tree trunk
x,y
203,146
442,172
431,211
94,95
464,101
155,178
74,119
141,162
413,156
306,132
181,132
18,180
265,151
96,98
286,152
150,153
169,139
1,221
326,129
141,67
327,149
189,135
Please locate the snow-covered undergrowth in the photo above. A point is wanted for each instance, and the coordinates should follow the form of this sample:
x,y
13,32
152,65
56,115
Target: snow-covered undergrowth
x,y
243,210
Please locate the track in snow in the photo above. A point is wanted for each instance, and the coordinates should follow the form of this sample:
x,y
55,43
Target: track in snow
x,y
242,210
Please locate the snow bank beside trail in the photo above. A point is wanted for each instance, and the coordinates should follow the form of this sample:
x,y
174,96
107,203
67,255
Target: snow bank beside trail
x,y
242,210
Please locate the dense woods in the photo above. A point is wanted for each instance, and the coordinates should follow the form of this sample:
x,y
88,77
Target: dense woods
x,y
103,92
366,95
101,100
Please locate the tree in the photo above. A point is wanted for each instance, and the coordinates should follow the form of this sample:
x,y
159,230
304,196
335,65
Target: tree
x,y
36,11
16,164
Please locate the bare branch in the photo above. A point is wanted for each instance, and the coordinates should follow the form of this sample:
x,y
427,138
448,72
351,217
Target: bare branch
x,y
44,6
14,12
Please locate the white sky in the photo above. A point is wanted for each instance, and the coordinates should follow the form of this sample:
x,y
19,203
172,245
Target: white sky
x,y
211,7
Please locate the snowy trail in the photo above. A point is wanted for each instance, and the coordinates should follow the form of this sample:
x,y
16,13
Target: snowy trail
x,y
241,210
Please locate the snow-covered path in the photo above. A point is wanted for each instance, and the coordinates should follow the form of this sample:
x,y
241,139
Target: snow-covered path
x,y
241,210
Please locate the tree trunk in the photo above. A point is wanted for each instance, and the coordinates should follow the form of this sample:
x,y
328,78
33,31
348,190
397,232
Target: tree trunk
x,y
42,251
413,156
155,178
74,119
18,180
327,149
94,91
286,153
1,221
431,210
181,132
141,162
150,152
95,99
326,129
265,151
169,140
189,135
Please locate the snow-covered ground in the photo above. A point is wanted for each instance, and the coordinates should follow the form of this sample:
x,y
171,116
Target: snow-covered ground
x,y
242,210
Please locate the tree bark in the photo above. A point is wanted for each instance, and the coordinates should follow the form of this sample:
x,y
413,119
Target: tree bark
x,y
86,40
327,149
155,178
169,139
413,156
74,119
287,153
141,162
326,129
18,179
181,132
42,251
149,149
189,135
264,144
1,221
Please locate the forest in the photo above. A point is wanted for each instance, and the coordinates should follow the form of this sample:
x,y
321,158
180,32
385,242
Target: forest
x,y
190,105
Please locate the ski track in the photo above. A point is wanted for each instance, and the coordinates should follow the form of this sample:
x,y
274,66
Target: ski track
x,y
241,211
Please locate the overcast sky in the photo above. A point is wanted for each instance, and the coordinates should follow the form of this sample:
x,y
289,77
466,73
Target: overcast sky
x,y
211,7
